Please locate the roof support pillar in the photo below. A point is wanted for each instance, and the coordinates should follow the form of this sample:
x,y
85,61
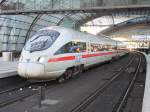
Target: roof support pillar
x,y
31,26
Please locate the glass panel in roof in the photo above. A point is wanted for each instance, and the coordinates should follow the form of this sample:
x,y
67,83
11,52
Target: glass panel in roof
x,y
67,4
36,28
12,29
49,19
21,40
43,23
76,17
67,23
22,33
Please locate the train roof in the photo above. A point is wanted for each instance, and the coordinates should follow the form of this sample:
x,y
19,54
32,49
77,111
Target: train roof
x,y
101,38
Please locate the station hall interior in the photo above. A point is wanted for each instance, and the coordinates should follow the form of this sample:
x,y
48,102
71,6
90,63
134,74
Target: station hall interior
x,y
125,21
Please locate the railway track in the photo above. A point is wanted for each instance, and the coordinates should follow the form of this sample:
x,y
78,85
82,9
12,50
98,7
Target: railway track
x,y
129,88
10,82
20,92
26,90
8,96
81,107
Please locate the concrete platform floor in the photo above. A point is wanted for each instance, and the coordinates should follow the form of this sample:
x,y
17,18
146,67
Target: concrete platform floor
x,y
8,69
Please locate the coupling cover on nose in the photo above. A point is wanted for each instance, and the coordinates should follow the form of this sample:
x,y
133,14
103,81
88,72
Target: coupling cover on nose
x,y
31,70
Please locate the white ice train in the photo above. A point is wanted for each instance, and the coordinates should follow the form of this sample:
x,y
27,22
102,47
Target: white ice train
x,y
60,53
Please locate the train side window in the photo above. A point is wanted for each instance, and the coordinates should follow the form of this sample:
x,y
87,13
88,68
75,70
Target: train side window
x,y
104,48
64,49
79,47
111,47
100,47
95,47
72,47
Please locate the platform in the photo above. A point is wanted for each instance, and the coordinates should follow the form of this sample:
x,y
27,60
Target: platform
x,y
146,100
8,69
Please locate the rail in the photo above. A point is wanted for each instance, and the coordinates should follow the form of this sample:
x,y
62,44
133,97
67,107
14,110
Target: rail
x,y
88,100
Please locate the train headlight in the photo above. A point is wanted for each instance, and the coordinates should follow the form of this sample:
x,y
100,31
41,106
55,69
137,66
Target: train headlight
x,y
41,59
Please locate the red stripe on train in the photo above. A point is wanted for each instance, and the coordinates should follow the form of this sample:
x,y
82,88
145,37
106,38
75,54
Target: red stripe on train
x,y
66,58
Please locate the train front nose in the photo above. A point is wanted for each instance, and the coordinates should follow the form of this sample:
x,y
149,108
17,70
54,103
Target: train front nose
x,y
31,70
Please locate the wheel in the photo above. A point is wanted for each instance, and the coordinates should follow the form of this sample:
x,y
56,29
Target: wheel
x,y
75,73
68,74
61,79
112,60
81,69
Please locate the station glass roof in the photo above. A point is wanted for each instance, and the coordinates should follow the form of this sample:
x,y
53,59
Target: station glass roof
x,y
16,29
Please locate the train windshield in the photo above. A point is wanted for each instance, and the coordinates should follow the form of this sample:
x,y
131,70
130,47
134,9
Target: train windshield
x,y
42,40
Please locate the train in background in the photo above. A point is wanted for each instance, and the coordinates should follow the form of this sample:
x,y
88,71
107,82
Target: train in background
x,y
61,53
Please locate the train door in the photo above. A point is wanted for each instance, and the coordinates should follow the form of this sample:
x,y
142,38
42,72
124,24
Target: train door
x,y
79,52
117,52
92,55
78,58
106,56
86,54
103,51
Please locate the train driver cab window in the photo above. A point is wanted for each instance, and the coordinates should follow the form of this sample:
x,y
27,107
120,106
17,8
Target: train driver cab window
x,y
41,40
72,47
